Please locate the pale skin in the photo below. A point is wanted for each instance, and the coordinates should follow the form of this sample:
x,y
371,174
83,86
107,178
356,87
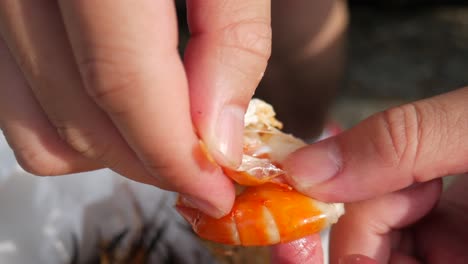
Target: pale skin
x,y
93,84
83,90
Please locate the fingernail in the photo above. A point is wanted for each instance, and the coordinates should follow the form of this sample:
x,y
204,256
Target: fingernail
x,y
356,259
313,164
227,143
202,205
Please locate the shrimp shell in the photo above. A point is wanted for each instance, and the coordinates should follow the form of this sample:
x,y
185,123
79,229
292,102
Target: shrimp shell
x,y
266,210
264,215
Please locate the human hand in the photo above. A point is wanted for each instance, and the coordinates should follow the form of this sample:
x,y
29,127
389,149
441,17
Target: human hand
x,y
392,160
101,84
397,228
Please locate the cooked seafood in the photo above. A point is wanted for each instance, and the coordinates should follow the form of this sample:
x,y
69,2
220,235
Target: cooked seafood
x,y
266,210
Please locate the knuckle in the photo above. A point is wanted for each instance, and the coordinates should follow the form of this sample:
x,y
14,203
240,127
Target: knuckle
x,y
378,225
108,82
251,36
85,143
398,140
435,134
162,169
167,171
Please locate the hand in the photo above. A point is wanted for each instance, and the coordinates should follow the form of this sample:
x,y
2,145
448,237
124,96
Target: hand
x,y
442,236
390,228
392,160
101,84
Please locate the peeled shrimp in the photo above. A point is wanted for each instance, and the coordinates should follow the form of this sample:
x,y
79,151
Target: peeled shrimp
x,y
266,210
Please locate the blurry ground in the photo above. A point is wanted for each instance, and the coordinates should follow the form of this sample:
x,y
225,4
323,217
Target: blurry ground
x,y
397,53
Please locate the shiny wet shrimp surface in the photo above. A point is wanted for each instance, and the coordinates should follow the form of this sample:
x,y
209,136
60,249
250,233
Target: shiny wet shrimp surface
x,y
266,211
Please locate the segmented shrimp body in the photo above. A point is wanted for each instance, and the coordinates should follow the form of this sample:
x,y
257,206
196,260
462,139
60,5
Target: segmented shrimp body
x,y
264,215
266,210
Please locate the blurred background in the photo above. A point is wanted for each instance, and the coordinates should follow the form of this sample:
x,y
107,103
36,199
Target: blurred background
x,y
399,51
389,53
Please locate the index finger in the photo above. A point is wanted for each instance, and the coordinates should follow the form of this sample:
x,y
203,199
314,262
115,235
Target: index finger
x,y
225,60
127,54
370,227
304,250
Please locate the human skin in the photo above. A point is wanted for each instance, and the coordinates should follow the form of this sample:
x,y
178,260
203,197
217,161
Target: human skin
x,y
88,85
81,90
420,235
387,168
100,84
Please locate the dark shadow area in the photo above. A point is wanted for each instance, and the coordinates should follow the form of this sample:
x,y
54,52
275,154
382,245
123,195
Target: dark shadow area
x,y
406,53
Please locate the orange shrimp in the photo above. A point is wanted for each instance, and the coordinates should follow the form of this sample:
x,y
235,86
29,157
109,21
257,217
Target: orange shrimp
x,y
264,215
266,211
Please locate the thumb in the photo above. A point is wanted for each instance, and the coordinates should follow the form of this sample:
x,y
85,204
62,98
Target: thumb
x,y
416,142
304,250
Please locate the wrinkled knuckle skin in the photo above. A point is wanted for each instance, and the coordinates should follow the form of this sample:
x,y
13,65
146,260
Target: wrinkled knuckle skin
x,y
107,82
168,172
252,36
398,139
84,143
158,167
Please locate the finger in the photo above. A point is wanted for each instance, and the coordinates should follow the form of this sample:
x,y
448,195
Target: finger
x,y
443,234
35,143
225,60
127,54
391,150
36,34
356,259
367,227
304,250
